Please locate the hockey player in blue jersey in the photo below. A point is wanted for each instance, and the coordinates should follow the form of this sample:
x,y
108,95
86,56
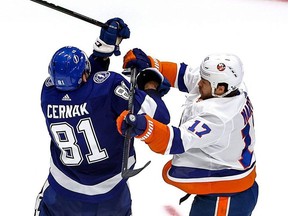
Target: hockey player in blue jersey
x,y
81,101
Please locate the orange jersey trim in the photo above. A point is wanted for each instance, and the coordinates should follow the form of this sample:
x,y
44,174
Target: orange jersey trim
x,y
227,186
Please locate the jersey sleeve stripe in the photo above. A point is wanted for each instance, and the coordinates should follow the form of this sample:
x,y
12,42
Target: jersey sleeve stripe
x,y
91,190
177,147
181,84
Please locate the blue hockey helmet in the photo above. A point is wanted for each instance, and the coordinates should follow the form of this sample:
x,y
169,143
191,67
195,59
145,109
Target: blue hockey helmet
x,y
67,67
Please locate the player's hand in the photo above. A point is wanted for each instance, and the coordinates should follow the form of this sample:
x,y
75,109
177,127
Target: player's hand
x,y
152,74
136,58
110,37
136,123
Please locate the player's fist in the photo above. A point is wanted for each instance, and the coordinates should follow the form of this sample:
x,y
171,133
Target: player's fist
x,y
110,37
136,58
137,124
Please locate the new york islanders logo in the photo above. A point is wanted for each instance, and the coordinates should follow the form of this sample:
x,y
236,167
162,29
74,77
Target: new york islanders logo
x,y
221,66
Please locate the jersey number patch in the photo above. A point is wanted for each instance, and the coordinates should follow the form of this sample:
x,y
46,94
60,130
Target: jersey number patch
x,y
204,129
64,135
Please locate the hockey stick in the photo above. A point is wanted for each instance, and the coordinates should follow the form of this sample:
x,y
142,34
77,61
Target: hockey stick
x,y
71,13
126,172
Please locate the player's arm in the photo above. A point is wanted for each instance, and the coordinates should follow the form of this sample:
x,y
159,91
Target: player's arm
x,y
108,43
145,101
137,58
164,139
179,75
154,133
151,103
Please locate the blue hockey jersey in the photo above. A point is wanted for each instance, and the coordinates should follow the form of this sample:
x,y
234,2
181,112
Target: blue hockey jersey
x,y
86,149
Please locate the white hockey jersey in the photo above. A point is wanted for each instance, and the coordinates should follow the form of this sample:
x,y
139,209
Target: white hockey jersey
x,y
213,148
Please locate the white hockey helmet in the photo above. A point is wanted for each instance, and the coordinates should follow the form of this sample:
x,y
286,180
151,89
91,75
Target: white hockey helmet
x,y
222,68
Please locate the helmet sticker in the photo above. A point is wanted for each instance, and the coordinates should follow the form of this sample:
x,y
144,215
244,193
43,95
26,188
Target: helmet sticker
x,y
76,59
221,66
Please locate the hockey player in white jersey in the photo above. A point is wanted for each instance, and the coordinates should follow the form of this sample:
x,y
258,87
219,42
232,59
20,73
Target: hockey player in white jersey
x,y
213,147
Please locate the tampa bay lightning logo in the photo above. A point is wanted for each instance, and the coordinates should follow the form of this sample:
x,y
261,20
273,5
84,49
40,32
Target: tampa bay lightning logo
x,y
76,59
101,76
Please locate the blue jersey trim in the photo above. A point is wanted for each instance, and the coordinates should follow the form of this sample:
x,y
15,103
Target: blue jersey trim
x,y
190,172
181,85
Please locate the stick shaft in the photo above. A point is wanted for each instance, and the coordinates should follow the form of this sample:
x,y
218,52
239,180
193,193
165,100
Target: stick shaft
x,y
126,172
71,13
127,141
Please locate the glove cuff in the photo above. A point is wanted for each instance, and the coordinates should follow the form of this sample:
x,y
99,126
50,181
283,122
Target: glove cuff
x,y
101,49
155,63
148,131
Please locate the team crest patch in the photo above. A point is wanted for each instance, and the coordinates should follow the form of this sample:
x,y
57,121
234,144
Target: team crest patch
x,y
101,76
221,66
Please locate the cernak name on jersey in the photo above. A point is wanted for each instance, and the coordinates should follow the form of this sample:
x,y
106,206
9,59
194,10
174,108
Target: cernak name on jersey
x,y
66,111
